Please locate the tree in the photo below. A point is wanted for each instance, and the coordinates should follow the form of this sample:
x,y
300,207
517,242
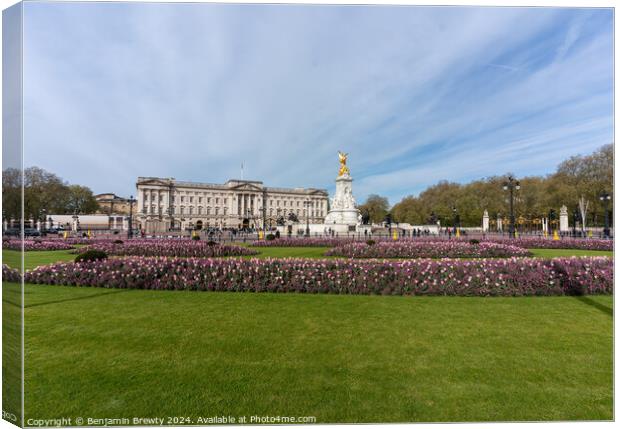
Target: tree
x,y
579,179
81,200
42,190
11,193
376,207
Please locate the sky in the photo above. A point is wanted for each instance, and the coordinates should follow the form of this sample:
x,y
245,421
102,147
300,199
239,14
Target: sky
x,y
415,95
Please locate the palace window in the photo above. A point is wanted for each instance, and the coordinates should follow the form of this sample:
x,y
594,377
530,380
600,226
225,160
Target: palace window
x,y
182,198
199,210
191,210
208,210
191,199
217,209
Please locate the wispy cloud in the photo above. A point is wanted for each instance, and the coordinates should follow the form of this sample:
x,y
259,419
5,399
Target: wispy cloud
x,y
415,94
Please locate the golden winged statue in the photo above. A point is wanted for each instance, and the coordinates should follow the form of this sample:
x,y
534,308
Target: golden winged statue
x,y
343,164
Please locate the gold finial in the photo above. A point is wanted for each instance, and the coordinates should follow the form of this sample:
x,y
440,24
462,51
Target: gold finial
x,y
343,164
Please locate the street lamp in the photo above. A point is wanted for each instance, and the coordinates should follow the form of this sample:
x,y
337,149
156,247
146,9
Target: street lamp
x,y
512,185
171,204
43,220
456,219
131,203
575,220
605,198
307,205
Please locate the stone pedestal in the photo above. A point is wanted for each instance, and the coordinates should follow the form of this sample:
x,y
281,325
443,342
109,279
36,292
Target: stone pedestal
x,y
342,210
485,221
563,219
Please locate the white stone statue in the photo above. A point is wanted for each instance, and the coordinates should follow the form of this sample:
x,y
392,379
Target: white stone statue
x,y
485,221
343,209
563,219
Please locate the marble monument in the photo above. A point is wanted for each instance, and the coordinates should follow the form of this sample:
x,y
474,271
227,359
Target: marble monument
x,y
342,210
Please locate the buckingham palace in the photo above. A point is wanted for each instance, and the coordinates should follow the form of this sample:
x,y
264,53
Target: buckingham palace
x,y
166,203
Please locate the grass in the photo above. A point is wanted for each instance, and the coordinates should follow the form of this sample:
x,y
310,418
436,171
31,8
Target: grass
x,y
110,353
555,253
33,259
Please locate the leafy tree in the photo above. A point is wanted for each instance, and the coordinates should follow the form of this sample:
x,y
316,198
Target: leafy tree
x,y
43,190
578,178
376,207
81,200
11,193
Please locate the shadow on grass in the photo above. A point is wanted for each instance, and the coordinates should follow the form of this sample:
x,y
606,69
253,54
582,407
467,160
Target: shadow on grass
x,y
38,304
589,301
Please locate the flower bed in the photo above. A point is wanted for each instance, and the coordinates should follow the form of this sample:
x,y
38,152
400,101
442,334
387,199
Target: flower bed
x,y
35,245
427,249
567,243
475,277
10,274
302,242
182,248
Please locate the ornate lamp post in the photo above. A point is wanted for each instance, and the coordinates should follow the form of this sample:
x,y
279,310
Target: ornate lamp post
x,y
171,204
575,220
512,185
455,219
132,200
605,198
307,205
43,220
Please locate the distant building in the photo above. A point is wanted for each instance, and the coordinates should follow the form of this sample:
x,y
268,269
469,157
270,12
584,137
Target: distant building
x,y
95,222
112,204
165,203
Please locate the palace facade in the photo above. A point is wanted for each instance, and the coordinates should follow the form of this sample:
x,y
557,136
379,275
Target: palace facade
x,y
111,203
165,203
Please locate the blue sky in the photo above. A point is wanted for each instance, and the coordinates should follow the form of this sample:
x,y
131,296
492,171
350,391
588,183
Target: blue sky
x,y
414,94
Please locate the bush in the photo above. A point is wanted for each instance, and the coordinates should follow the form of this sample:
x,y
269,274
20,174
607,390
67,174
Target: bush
x,y
91,255
474,241
270,237
118,241
370,242
212,243
195,237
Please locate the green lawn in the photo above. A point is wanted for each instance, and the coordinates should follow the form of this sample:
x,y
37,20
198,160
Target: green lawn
x,y
555,253
33,259
317,252
287,252
111,353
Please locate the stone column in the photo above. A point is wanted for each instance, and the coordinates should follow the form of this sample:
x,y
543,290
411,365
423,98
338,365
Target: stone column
x,y
563,219
485,221
500,226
